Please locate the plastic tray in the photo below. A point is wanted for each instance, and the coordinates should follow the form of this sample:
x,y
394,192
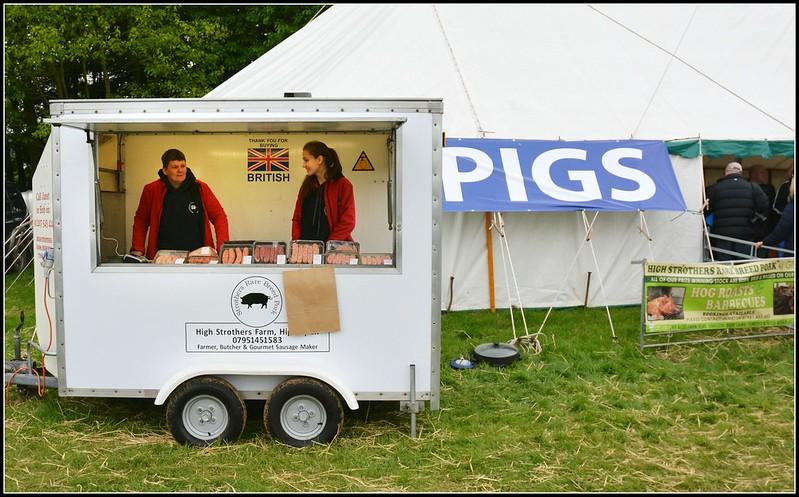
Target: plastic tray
x,y
306,252
342,246
237,252
341,258
202,259
377,259
268,252
170,256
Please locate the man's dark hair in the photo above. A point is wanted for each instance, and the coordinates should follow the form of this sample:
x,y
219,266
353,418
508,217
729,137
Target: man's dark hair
x,y
170,155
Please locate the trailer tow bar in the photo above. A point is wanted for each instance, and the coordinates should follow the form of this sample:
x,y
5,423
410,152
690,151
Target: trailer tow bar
x,y
19,371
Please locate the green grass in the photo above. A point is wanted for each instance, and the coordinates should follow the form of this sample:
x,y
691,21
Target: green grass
x,y
584,415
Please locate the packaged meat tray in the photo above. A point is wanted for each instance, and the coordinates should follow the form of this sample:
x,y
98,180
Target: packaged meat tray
x,y
170,257
342,257
377,260
202,255
268,252
342,246
306,252
236,253
202,259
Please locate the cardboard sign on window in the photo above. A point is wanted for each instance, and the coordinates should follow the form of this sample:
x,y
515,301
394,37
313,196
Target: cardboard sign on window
x,y
311,301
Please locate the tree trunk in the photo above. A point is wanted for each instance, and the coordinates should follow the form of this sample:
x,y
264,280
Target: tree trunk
x,y
62,75
85,79
59,86
106,81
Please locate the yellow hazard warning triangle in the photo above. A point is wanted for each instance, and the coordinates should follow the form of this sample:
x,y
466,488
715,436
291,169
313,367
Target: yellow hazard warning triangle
x,y
363,163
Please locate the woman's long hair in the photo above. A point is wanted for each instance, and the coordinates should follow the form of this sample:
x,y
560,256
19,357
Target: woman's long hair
x,y
332,164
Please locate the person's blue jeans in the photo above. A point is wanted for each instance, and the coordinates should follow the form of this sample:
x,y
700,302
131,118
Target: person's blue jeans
x,y
741,248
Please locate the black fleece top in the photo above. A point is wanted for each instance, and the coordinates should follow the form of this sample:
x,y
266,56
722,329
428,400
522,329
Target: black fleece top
x,y
314,219
182,217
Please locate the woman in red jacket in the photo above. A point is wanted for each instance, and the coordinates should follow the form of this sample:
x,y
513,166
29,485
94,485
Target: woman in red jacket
x,y
325,208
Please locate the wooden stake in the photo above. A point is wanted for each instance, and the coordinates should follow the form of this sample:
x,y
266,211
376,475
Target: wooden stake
x,y
490,255
587,286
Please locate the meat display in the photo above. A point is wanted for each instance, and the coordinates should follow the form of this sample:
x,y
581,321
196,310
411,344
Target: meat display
x,y
377,260
170,256
302,251
267,252
234,253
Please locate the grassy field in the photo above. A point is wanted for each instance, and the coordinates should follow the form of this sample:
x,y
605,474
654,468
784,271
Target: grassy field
x,y
584,415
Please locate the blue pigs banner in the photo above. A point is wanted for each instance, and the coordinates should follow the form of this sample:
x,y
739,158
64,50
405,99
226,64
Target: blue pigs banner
x,y
491,175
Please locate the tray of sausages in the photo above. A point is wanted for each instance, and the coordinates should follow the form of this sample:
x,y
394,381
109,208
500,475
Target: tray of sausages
x,y
341,252
203,255
306,252
236,252
377,260
170,257
268,252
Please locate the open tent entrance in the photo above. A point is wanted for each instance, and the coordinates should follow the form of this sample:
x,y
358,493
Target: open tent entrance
x,y
775,157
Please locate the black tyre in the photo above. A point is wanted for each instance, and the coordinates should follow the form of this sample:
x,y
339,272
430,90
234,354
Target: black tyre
x,y
301,411
204,410
26,392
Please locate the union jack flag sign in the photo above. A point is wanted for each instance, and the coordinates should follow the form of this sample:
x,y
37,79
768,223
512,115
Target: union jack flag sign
x,y
268,159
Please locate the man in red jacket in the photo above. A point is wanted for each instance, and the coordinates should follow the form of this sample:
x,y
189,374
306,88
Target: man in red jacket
x,y
178,209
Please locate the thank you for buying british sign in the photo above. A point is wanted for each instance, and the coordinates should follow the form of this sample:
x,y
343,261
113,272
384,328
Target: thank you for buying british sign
x,y
490,175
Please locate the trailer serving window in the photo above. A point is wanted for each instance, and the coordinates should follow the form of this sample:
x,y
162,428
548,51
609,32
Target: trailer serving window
x,y
255,171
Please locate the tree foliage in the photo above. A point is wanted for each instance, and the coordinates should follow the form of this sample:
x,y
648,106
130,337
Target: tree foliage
x,y
116,51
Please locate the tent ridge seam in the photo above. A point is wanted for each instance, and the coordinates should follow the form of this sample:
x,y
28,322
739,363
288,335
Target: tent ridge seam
x,y
460,74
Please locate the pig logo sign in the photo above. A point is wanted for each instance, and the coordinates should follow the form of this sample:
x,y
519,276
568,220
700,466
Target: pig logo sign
x,y
490,175
256,301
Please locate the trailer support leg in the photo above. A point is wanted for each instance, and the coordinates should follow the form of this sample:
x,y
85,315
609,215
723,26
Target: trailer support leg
x,y
412,405
413,400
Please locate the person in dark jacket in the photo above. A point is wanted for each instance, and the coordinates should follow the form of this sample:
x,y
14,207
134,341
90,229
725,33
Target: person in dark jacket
x,y
759,175
781,197
783,232
737,205
177,209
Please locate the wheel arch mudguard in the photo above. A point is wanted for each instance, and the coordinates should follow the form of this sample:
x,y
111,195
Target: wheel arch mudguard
x,y
187,374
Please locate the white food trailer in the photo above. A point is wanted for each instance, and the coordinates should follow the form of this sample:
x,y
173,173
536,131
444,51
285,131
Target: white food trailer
x,y
175,333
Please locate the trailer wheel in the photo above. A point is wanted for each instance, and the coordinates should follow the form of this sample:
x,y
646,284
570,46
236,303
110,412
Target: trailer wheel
x,y
301,411
204,410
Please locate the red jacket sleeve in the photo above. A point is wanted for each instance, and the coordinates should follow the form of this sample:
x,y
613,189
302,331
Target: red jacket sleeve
x,y
346,221
217,216
141,221
296,228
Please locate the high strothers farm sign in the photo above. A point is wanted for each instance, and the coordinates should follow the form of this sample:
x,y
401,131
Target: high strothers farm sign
x,y
717,296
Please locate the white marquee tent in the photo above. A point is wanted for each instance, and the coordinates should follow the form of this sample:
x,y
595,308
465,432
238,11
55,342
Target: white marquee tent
x,y
571,72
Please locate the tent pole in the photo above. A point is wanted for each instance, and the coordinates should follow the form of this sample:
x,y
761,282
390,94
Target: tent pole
x,y
490,245
588,228
705,229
